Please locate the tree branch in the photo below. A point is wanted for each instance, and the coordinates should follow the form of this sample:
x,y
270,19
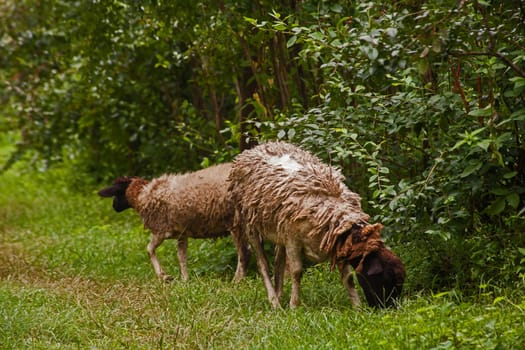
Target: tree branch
x,y
509,62
499,55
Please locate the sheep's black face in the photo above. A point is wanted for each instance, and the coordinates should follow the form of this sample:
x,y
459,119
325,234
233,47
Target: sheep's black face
x,y
381,277
118,192
120,203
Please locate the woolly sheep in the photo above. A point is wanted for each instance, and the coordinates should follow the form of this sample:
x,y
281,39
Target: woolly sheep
x,y
287,196
178,207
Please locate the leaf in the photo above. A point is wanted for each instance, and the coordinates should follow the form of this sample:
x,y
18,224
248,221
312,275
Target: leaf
x,y
510,175
281,134
443,220
496,207
367,38
471,169
518,82
252,21
291,41
373,54
316,36
445,236
521,250
500,191
425,52
336,43
336,8
499,299
391,32
484,144
275,14
485,112
477,131
436,45
513,200
280,26
518,115
458,144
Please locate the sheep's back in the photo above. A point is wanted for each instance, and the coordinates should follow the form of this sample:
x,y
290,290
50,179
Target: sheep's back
x,y
194,204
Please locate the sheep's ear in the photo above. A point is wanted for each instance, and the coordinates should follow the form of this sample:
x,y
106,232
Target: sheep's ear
x,y
118,187
110,191
372,231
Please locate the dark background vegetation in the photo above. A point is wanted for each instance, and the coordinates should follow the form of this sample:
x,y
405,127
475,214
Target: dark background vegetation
x,y
420,103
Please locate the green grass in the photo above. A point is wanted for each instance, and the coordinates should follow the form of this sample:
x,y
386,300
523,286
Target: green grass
x,y
75,275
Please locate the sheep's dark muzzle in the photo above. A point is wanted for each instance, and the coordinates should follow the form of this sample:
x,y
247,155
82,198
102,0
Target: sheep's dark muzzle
x,y
120,203
381,275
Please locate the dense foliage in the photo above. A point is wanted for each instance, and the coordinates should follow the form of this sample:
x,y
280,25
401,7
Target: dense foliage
x,y
421,103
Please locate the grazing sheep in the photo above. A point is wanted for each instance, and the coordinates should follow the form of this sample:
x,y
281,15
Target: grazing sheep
x,y
287,196
180,206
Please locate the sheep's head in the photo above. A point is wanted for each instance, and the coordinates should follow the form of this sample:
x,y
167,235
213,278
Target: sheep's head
x,y
118,192
381,275
379,271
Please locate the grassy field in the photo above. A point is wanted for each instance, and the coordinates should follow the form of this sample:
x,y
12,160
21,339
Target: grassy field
x,y
75,275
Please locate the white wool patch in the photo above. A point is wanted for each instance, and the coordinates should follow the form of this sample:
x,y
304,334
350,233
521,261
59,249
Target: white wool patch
x,y
285,162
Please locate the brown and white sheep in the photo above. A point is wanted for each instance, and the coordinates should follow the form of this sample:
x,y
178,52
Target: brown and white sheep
x,y
287,196
180,206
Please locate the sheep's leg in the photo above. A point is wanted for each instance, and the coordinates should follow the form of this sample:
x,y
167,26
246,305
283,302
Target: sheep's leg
x,y
348,281
279,267
182,249
243,256
262,264
156,240
295,264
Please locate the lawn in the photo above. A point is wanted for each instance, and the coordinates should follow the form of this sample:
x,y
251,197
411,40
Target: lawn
x,y
75,275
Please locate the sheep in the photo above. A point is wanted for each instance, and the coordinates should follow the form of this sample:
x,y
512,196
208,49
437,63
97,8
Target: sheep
x,y
287,196
190,205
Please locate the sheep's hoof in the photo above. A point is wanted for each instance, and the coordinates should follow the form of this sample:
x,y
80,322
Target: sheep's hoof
x,y
238,277
275,303
166,278
294,305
